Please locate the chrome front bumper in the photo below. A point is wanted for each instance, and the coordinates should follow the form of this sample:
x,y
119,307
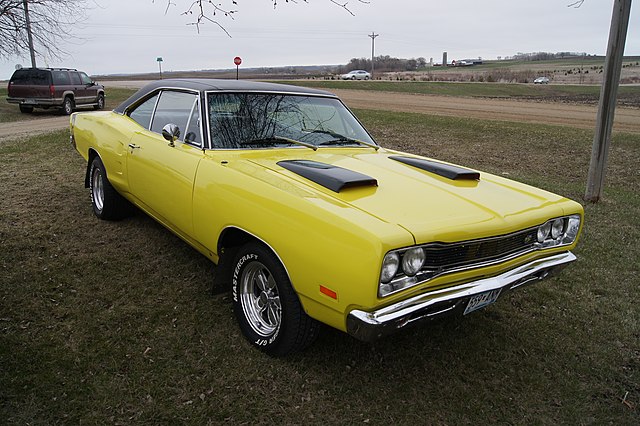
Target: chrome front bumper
x,y
369,326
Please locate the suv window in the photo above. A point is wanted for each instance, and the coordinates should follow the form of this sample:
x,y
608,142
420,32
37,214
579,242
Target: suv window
x,y
30,77
75,78
60,78
85,78
142,113
173,107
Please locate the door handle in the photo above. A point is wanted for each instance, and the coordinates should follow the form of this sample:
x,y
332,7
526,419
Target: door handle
x,y
133,146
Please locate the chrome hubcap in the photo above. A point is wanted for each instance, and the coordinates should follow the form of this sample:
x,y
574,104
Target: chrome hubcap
x,y
260,299
97,190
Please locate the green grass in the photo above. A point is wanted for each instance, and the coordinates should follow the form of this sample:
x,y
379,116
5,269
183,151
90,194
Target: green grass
x,y
114,322
11,112
467,89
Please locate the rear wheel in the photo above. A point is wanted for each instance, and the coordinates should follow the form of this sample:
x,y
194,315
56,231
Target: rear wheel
x,y
67,106
26,109
267,308
106,202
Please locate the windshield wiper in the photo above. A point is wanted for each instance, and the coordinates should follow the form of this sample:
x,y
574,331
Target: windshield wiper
x,y
340,139
273,139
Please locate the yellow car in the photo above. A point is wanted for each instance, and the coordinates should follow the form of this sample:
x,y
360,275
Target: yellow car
x,y
309,219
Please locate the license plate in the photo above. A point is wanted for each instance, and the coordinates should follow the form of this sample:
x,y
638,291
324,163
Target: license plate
x,y
481,300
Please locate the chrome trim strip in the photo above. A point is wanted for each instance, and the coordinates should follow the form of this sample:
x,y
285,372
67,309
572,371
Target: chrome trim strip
x,y
273,92
369,326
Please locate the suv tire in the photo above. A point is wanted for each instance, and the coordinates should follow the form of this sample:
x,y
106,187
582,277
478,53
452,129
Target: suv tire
x,y
67,105
99,102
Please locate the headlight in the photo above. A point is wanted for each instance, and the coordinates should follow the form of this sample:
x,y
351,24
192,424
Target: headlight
x,y
556,228
558,232
571,231
543,232
389,266
412,261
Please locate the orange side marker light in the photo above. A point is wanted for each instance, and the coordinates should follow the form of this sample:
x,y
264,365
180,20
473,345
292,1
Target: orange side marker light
x,y
328,292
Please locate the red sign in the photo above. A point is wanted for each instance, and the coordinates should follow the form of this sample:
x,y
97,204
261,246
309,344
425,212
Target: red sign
x,y
237,60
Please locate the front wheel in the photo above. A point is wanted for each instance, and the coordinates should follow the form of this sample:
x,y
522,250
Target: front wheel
x,y
106,202
266,307
99,102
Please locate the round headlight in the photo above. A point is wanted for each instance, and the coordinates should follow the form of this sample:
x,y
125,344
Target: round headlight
x,y
412,261
543,232
389,267
556,228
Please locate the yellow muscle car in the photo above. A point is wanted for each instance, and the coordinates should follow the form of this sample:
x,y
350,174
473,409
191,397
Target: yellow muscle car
x,y
308,218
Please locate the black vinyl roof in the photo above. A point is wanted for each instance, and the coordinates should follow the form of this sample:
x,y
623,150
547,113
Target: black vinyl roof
x,y
203,84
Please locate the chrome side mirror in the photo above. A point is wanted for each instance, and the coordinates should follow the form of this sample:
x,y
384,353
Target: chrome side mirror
x,y
171,132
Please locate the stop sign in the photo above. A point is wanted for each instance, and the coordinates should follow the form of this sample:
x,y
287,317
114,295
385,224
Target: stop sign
x,y
237,60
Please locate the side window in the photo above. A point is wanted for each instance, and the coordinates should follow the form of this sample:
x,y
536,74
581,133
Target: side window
x,y
192,134
142,113
61,78
75,78
85,78
173,107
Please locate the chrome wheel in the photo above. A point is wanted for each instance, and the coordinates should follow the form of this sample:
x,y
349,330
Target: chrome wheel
x,y
260,299
97,189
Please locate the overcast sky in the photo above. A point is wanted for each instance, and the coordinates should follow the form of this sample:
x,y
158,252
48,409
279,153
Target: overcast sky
x,y
126,36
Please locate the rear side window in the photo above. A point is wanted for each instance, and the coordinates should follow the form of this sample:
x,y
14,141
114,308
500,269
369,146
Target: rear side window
x,y
75,78
30,77
173,107
142,113
60,78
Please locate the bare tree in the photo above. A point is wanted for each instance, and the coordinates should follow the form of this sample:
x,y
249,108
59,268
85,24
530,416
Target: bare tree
x,y
51,22
204,11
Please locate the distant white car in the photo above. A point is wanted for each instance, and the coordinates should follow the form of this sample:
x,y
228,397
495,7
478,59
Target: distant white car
x,y
541,80
356,75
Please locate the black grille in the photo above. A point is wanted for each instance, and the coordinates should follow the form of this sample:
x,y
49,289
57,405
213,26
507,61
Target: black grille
x,y
446,256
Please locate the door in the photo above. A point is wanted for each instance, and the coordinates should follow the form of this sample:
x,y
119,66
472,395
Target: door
x,y
161,176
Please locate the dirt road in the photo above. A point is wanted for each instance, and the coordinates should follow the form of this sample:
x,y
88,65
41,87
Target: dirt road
x,y
580,116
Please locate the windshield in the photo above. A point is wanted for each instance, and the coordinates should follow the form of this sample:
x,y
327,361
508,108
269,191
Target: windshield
x,y
262,120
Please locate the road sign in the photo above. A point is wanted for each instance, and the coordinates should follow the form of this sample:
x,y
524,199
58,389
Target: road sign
x,y
237,60
159,59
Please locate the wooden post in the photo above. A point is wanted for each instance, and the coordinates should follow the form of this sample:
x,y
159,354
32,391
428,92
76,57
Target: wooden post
x,y
608,98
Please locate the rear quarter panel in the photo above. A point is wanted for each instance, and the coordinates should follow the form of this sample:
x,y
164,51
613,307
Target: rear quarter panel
x,y
108,134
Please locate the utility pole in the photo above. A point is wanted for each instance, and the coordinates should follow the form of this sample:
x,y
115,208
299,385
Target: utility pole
x,y
373,43
27,22
608,97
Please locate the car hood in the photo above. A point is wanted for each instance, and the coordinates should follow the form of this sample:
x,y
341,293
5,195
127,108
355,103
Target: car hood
x,y
430,206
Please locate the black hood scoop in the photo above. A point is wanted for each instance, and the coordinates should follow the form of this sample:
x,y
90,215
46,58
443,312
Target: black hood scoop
x,y
440,169
332,177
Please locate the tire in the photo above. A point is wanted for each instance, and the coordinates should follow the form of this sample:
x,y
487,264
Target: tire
x,y
26,109
266,307
106,202
353,78
99,102
67,106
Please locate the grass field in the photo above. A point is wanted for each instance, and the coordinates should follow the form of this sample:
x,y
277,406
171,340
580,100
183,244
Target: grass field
x,y
491,90
114,322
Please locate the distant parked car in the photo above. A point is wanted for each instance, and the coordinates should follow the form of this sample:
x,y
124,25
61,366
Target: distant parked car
x,y
356,75
62,88
541,80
